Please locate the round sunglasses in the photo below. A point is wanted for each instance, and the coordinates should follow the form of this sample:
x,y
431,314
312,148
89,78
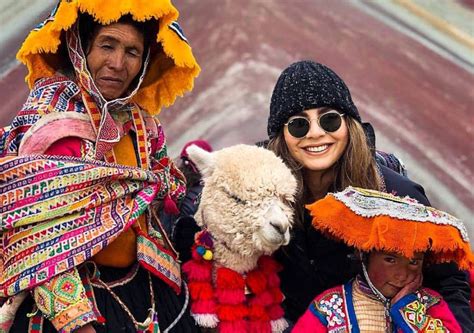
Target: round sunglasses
x,y
329,122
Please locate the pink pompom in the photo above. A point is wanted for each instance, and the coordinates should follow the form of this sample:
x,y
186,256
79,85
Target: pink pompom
x,y
169,206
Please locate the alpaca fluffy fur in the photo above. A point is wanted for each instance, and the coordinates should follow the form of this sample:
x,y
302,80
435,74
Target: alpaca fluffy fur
x,y
246,190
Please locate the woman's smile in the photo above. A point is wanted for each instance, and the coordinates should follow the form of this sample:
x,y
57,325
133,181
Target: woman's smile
x,y
319,149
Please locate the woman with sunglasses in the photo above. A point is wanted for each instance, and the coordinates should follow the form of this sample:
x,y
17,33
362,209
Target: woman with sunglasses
x,y
316,129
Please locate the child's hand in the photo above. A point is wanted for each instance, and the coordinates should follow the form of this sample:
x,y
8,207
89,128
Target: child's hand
x,y
409,288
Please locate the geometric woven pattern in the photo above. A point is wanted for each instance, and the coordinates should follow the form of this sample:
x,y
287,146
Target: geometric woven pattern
x,y
414,314
58,294
57,212
330,305
340,310
58,94
158,260
63,300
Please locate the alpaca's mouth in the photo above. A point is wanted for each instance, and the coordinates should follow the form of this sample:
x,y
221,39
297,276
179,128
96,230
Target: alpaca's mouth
x,y
274,239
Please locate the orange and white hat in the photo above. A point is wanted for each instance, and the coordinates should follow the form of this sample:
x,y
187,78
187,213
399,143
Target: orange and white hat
x,y
371,220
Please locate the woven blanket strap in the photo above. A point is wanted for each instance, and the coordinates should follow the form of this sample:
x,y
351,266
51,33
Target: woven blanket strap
x,y
159,230
36,323
107,133
158,260
86,277
141,137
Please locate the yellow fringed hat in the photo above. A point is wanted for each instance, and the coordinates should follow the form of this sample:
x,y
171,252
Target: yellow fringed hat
x,y
372,220
170,72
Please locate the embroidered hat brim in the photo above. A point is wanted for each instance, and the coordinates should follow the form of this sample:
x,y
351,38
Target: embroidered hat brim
x,y
171,72
371,220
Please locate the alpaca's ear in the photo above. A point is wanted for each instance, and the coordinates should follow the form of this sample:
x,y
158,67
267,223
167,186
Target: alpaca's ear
x,y
203,160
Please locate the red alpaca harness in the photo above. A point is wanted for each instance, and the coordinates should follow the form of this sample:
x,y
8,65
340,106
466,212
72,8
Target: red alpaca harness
x,y
242,303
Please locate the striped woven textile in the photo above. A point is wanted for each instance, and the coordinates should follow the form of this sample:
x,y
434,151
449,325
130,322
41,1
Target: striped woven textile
x,y
57,212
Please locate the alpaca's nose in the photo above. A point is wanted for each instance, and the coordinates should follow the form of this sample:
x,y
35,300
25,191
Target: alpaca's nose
x,y
279,227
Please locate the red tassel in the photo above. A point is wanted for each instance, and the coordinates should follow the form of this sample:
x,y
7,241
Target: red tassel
x,y
275,312
257,312
203,307
273,280
230,296
260,327
238,326
268,264
236,311
257,282
277,295
200,290
231,312
198,270
263,299
229,279
170,206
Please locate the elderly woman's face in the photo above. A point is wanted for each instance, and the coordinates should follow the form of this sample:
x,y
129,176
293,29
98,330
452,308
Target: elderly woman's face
x,y
114,58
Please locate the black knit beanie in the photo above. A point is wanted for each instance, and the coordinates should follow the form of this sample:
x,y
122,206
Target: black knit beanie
x,y
307,85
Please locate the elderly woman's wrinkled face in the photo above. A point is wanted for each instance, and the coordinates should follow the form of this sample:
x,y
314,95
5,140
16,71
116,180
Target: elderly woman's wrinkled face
x,y
114,58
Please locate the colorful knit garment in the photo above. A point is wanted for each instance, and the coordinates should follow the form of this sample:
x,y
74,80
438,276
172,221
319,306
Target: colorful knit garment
x,y
348,308
58,212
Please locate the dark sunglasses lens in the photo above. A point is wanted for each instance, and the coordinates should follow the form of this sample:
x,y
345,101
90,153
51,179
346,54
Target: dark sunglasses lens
x,y
330,122
298,127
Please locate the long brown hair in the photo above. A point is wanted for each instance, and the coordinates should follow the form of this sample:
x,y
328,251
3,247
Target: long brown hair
x,y
356,166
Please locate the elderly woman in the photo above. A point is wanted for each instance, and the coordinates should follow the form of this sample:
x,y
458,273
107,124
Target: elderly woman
x,y
81,165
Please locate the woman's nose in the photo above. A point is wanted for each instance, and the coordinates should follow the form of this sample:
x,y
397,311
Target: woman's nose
x,y
116,60
314,129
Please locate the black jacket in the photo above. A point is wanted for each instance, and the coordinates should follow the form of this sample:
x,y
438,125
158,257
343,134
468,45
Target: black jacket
x,y
313,263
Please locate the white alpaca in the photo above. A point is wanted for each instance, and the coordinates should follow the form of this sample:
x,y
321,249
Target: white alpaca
x,y
246,209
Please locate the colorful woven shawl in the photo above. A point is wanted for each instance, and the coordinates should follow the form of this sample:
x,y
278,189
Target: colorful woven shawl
x,y
58,212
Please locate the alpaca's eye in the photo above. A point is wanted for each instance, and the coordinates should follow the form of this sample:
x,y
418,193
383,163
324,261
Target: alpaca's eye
x,y
237,199
287,200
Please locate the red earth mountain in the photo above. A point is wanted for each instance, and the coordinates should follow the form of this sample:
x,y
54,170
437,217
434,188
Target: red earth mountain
x,y
419,101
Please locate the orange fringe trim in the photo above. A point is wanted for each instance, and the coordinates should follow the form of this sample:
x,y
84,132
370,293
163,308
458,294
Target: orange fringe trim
x,y
386,233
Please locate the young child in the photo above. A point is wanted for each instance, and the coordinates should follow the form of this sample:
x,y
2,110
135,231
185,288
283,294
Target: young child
x,y
393,237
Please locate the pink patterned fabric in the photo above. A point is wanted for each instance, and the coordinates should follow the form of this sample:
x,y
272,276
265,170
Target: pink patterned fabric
x,y
333,311
57,212
308,323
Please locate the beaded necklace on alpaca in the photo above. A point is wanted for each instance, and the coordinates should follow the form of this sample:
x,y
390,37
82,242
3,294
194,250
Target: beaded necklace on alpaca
x,y
230,301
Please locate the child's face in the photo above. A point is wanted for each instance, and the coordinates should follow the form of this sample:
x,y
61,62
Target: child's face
x,y
390,272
